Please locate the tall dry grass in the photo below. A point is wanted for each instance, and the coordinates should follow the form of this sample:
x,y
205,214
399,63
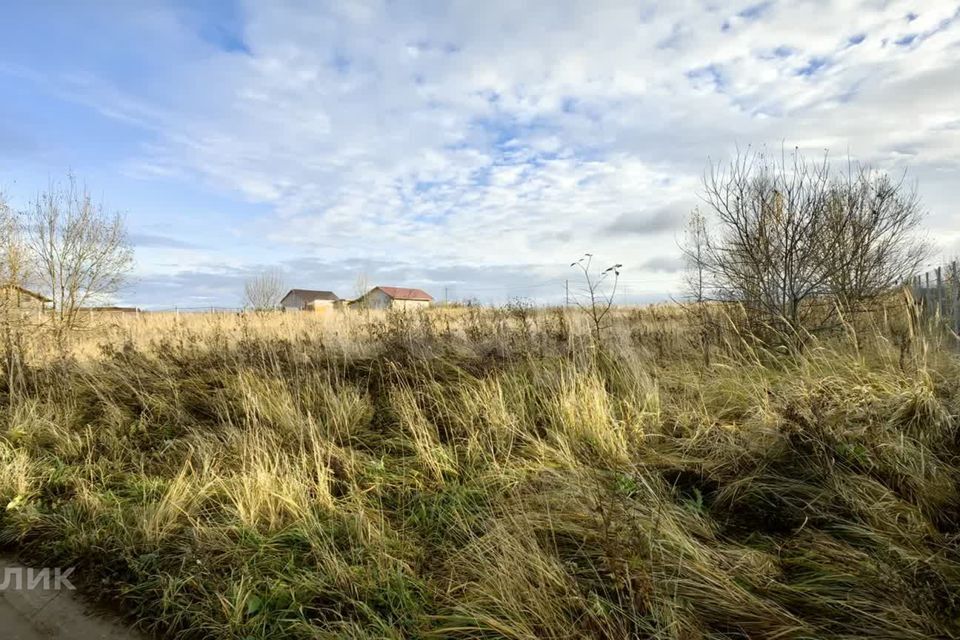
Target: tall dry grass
x,y
477,473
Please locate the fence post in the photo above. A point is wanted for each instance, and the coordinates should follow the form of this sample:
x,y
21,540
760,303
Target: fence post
x,y
939,292
955,298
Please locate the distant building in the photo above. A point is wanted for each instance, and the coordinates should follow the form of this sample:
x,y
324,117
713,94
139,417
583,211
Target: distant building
x,y
307,299
111,309
394,298
18,297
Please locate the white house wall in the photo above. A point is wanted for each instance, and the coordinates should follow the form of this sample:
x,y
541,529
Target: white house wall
x,y
410,305
378,300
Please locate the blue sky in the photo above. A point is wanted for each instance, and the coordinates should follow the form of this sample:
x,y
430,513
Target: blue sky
x,y
476,148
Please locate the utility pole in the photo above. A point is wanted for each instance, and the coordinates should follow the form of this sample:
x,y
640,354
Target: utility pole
x,y
446,298
566,289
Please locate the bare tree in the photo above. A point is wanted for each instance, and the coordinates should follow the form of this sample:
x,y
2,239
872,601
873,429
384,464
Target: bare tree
x,y
361,286
793,244
16,268
16,264
264,291
599,299
81,252
695,249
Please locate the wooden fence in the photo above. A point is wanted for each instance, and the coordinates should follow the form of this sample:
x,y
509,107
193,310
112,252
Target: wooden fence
x,y
938,290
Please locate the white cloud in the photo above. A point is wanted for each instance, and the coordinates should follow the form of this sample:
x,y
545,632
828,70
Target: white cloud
x,y
509,134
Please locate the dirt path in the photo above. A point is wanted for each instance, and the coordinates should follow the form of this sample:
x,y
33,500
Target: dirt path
x,y
42,614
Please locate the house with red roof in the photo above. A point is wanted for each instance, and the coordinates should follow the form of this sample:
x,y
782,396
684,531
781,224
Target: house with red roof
x,y
394,298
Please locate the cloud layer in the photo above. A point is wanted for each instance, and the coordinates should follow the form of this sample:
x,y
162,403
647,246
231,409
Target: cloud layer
x,y
484,146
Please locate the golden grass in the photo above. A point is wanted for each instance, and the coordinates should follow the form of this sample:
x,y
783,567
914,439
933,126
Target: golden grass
x,y
480,473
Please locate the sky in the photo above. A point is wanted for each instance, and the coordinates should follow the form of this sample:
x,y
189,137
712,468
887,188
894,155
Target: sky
x,y
472,149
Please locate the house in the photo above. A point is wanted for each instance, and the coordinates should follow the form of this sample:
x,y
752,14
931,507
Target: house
x,y
394,298
307,299
111,309
15,296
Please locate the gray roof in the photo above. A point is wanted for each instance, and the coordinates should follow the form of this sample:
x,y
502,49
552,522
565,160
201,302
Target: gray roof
x,y
309,295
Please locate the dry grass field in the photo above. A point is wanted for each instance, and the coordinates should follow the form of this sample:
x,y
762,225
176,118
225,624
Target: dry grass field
x,y
479,473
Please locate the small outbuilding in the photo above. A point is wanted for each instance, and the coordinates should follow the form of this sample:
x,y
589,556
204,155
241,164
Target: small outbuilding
x,y
395,298
13,296
308,300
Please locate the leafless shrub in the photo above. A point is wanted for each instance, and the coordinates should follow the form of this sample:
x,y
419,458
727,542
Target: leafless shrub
x,y
797,246
871,219
597,299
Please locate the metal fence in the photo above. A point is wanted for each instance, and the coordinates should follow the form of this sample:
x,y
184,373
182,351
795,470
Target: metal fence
x,y
938,290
